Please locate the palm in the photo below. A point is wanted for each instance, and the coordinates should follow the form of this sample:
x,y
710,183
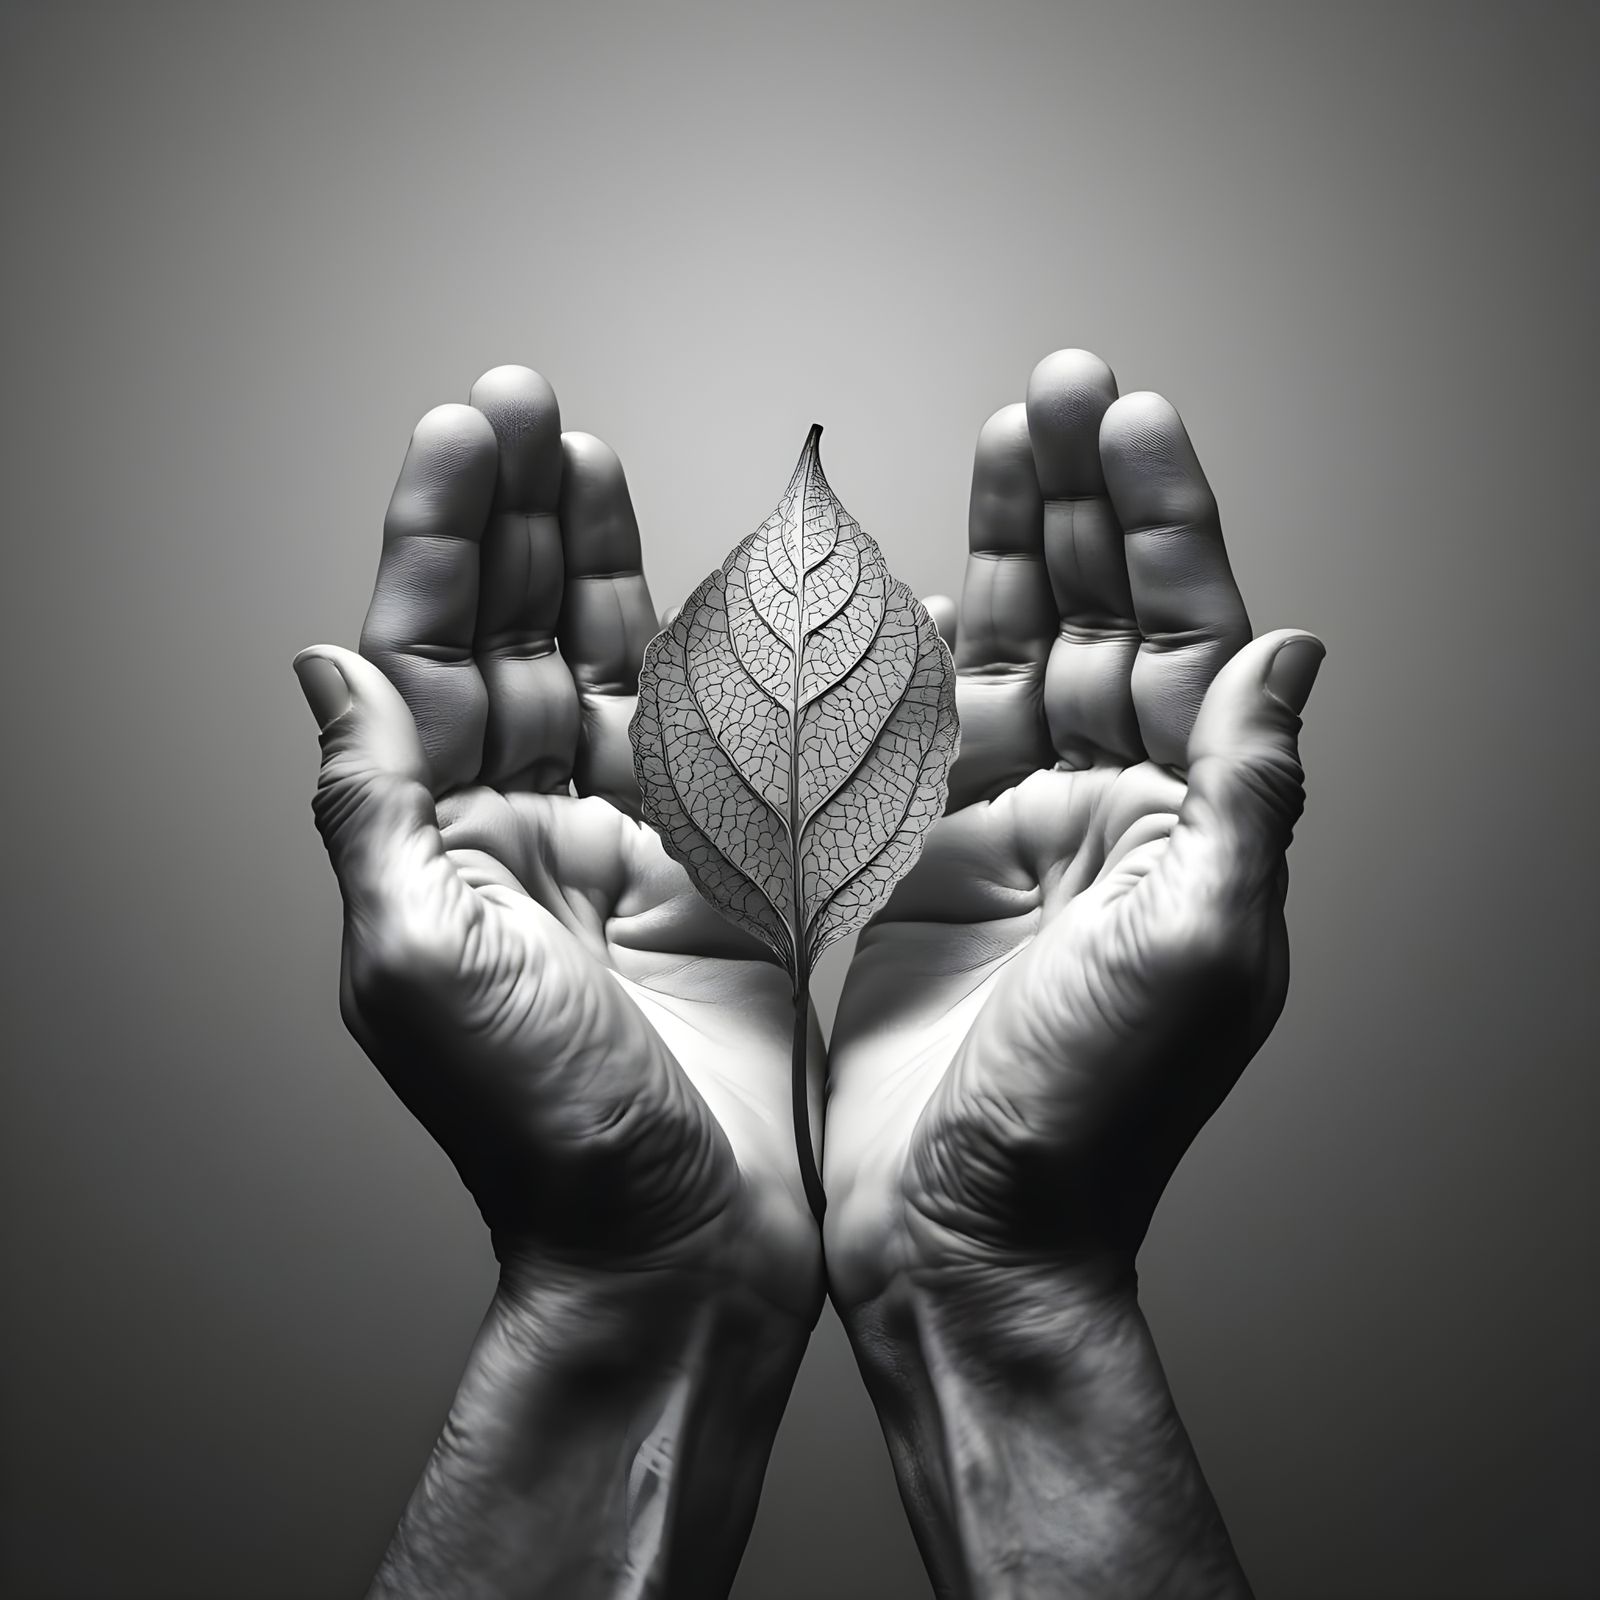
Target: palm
x,y
586,881
1060,993
605,1061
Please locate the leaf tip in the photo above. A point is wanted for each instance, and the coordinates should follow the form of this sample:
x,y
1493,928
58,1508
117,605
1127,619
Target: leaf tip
x,y
810,457
811,450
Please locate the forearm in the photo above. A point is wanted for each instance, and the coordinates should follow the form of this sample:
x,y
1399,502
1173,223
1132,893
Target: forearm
x,y
608,1439
1036,1442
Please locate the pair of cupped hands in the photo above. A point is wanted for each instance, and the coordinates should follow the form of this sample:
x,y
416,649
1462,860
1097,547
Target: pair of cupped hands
x,y
1055,999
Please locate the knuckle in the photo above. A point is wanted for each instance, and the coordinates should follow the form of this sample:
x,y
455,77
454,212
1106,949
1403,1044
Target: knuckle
x,y
1278,780
337,798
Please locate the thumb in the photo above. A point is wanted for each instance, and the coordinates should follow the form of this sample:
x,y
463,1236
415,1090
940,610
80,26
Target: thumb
x,y
372,804
1245,781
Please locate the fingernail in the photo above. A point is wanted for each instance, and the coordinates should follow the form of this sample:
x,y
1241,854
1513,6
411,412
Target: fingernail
x,y
1293,671
324,687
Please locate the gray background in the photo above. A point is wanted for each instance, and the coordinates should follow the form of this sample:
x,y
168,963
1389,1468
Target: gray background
x,y
246,248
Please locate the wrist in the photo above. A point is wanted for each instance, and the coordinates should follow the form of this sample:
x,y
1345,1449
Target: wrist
x,y
609,1435
1034,1435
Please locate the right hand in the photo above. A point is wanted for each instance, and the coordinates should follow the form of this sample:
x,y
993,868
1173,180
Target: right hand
x,y
1092,946
604,1059
1055,999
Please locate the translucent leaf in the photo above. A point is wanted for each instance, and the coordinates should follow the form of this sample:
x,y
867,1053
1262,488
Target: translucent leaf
x,y
796,726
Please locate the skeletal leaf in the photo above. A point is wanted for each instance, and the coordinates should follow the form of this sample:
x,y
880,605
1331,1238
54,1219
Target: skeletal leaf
x,y
796,726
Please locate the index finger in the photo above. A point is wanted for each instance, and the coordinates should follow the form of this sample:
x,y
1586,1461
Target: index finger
x,y
1008,618
420,625
1188,606
1087,692
532,731
607,617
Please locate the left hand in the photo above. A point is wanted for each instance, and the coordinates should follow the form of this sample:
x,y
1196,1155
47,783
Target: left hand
x,y
603,1058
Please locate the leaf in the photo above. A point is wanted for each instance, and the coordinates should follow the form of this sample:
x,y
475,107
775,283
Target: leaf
x,y
795,727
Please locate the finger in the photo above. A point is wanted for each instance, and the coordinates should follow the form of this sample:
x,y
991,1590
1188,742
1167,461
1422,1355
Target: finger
x,y
1187,604
420,625
1007,611
422,944
1245,795
532,731
1088,692
942,609
375,811
1007,618
607,617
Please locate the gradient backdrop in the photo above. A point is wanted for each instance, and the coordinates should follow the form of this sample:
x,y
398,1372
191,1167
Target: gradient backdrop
x,y
247,246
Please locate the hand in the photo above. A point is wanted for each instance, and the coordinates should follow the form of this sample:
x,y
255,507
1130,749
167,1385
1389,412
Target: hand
x,y
604,1059
1089,952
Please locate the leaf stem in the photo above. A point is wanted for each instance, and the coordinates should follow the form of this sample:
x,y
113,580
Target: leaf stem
x,y
799,1086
